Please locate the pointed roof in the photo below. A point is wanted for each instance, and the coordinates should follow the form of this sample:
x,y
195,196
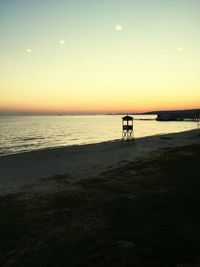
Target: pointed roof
x,y
127,118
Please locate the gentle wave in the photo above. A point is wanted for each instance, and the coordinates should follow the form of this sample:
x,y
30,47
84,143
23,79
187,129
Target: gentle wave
x,y
27,139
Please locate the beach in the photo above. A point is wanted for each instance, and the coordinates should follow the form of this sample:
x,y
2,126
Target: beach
x,y
23,170
108,204
99,133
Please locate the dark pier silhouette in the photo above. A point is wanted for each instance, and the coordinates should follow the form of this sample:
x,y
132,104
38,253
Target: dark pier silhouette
x,y
178,116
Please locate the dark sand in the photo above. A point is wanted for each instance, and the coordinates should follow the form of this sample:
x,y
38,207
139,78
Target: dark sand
x,y
144,213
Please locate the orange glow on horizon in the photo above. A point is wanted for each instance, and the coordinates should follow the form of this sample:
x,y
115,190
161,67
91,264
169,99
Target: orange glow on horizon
x,y
61,61
54,109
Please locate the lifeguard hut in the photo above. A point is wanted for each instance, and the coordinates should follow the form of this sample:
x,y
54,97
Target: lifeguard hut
x,y
127,128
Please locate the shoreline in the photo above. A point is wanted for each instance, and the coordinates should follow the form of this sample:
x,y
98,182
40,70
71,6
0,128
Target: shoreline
x,y
24,170
90,144
26,149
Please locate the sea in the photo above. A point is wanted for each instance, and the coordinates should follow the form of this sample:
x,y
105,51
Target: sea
x,y
26,133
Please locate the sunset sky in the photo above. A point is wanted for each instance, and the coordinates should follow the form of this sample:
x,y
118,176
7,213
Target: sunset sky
x,y
99,55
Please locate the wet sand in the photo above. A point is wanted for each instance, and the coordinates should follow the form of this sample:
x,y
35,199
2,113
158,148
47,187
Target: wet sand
x,y
22,171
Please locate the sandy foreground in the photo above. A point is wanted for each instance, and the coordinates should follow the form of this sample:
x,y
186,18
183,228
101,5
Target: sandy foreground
x,y
110,204
24,171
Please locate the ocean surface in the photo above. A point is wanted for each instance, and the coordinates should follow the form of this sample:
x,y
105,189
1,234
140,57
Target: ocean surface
x,y
27,133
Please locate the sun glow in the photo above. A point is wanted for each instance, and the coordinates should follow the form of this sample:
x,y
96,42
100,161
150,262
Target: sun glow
x,y
146,62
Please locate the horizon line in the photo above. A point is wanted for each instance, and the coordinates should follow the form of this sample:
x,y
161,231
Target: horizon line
x,y
29,113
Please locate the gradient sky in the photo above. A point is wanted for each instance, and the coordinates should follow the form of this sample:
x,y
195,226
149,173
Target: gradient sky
x,y
99,55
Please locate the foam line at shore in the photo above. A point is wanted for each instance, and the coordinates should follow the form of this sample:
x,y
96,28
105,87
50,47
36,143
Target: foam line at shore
x,y
25,169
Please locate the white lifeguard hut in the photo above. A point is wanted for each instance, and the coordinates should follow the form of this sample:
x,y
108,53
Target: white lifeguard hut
x,y
127,128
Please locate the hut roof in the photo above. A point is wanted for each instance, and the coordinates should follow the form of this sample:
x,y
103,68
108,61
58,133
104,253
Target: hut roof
x,y
127,118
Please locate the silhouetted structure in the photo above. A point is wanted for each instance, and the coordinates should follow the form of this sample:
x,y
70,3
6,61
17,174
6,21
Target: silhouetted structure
x,y
178,116
127,128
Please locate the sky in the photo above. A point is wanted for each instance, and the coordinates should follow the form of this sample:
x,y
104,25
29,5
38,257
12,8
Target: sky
x,y
99,55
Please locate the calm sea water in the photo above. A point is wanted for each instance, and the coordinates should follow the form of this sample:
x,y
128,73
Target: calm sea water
x,y
26,133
